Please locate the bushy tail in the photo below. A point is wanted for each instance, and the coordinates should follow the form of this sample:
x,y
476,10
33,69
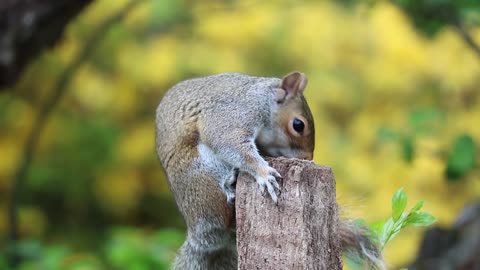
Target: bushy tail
x,y
360,246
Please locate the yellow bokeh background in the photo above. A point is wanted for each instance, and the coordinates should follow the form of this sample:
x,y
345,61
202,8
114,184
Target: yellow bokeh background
x,y
368,66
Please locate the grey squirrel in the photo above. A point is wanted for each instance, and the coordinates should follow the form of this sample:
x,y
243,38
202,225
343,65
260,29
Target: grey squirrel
x,y
207,130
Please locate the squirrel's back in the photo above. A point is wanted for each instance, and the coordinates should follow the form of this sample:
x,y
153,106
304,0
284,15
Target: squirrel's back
x,y
182,107
204,91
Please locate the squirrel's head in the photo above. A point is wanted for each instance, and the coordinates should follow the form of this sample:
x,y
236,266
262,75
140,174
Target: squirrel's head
x,y
294,132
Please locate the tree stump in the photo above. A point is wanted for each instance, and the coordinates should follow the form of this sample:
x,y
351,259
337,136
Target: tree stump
x,y
301,231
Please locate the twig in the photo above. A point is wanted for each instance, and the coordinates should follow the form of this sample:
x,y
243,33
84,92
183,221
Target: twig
x,y
467,37
57,91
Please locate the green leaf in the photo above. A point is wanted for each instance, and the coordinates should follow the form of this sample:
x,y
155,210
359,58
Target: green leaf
x,y
399,202
420,219
418,206
462,157
377,227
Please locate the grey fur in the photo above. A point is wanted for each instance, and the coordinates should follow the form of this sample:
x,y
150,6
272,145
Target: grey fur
x,y
206,130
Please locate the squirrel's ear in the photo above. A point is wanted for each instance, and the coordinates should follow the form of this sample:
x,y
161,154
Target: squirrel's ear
x,y
294,83
280,95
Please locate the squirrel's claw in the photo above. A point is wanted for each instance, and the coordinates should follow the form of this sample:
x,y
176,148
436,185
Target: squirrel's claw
x,y
231,198
275,173
272,187
270,183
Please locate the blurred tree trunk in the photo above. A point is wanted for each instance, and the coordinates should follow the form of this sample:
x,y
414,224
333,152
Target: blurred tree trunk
x,y
41,118
456,248
27,27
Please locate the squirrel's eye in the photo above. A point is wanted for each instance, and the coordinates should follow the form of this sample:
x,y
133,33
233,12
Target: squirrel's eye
x,y
298,125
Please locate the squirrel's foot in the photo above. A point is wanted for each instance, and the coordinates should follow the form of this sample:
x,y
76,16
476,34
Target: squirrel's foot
x,y
229,186
269,182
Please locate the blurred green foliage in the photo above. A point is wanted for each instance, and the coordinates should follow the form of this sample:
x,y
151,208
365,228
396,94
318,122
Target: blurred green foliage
x,y
392,85
430,16
125,248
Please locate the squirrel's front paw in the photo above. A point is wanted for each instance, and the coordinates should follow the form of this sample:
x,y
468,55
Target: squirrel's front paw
x,y
270,182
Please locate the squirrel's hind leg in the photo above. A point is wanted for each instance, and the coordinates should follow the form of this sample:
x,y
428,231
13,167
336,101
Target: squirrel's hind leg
x,y
190,259
208,247
210,243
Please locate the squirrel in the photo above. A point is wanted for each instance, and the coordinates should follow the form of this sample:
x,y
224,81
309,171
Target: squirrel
x,y
208,130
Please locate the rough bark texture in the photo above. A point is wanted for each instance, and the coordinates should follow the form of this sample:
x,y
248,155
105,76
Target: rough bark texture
x,y
301,232
29,26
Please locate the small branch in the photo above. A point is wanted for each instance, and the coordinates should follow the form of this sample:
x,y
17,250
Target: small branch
x,y
467,37
57,91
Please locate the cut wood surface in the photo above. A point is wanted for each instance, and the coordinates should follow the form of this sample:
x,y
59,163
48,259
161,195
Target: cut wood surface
x,y
301,231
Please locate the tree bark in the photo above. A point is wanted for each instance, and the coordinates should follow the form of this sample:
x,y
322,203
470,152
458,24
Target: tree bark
x,y
301,231
455,248
27,27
